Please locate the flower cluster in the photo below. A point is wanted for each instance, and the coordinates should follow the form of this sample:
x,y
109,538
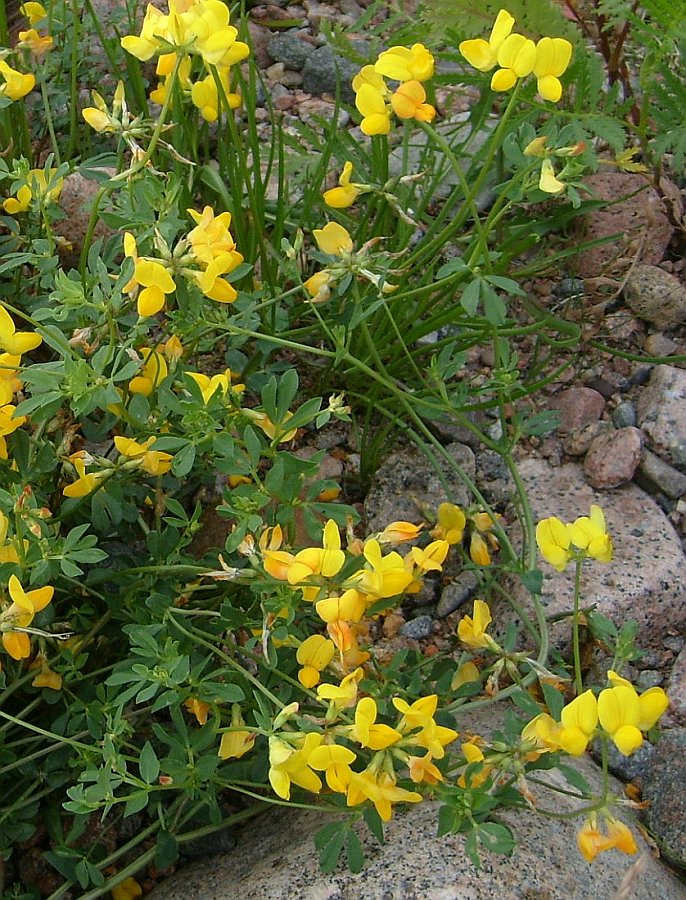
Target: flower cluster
x,y
622,714
548,182
38,44
585,537
297,758
17,617
191,28
517,56
35,186
13,344
376,102
453,523
203,257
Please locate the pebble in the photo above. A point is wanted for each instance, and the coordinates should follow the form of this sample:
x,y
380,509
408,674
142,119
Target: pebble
x,y
656,296
658,344
628,768
648,678
676,691
624,414
324,71
419,628
458,592
578,441
661,411
613,457
577,406
662,476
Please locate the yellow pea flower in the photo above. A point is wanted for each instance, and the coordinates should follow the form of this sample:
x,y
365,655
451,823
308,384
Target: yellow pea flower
x,y
409,102
589,533
290,764
482,54
149,274
314,655
472,629
431,557
422,769
152,373
397,532
553,55
237,742
554,541
86,482
128,889
333,239
34,12
403,64
451,523
25,605
36,186
346,193
198,708
15,85
624,715
154,462
547,181
16,342
317,286
371,103
334,761
205,95
366,732
466,674
381,789
45,678
343,695
578,719
37,44
591,840
516,58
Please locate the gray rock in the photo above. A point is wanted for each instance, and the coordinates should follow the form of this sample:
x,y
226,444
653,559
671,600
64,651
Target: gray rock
x,y
276,858
648,678
75,202
624,414
324,70
290,49
676,691
405,484
465,143
656,296
661,411
658,344
664,790
662,476
577,442
645,581
628,768
456,593
613,457
419,628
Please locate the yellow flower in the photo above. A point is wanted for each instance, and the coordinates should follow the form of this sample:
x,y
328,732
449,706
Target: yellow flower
x,y
16,342
333,239
45,678
198,708
15,84
591,840
624,715
343,695
25,605
314,655
38,44
128,889
86,482
516,57
36,186
384,576
346,193
451,523
466,674
554,539
422,769
548,182
409,102
397,532
478,550
275,432
317,286
349,607
401,64
381,789
579,719
365,730
472,629
371,103
98,120
149,274
553,55
154,462
34,12
590,534
237,742
152,373
289,765
334,761
473,754
205,95
326,561
430,558
483,55
210,385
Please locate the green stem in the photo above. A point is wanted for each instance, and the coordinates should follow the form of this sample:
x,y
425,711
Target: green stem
x,y
578,680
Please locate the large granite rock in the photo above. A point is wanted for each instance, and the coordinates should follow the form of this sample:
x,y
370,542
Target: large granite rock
x,y
276,859
645,581
662,413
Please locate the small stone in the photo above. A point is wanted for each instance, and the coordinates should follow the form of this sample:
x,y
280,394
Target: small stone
x,y
676,691
658,344
662,476
656,296
290,49
579,440
419,628
664,790
603,385
275,71
259,40
662,413
624,414
613,458
578,406
456,593
322,12
648,678
674,643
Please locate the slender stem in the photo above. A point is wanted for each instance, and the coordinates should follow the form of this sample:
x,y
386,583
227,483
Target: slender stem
x,y
578,680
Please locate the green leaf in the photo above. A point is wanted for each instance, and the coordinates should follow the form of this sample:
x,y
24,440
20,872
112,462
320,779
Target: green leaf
x,y
553,700
470,297
576,779
166,850
497,838
355,852
148,763
374,823
330,852
136,803
532,581
183,461
526,702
